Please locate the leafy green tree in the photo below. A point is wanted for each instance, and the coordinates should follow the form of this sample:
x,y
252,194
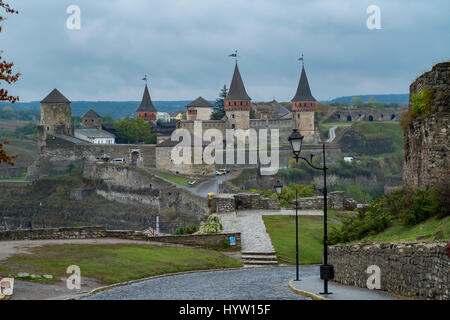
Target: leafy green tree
x,y
76,120
135,130
357,102
107,120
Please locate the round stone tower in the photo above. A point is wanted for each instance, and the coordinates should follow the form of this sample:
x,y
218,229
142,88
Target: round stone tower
x,y
237,103
56,116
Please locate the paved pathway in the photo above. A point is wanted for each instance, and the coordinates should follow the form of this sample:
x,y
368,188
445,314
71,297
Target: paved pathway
x,y
332,134
242,284
254,237
314,285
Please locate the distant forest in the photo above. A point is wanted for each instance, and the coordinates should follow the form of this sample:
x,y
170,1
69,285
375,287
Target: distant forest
x,y
124,109
401,98
116,109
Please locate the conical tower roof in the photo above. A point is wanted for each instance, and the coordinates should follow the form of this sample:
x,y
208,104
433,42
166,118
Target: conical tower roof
x,y
91,114
55,97
303,91
200,102
237,88
146,103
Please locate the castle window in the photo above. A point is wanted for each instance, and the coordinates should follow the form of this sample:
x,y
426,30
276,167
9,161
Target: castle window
x,y
235,103
232,115
241,103
298,115
233,126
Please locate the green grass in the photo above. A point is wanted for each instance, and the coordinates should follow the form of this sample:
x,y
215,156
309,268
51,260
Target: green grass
x,y
115,263
19,178
376,129
180,180
399,233
281,230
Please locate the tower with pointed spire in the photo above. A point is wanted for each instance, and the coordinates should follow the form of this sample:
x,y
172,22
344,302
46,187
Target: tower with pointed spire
x,y
237,103
303,109
146,110
56,116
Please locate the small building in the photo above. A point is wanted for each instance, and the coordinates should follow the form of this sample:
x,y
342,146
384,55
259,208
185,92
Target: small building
x,y
176,115
91,120
95,136
199,109
163,116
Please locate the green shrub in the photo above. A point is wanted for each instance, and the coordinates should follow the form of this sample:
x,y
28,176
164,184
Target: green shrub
x,y
212,225
288,193
410,208
421,103
190,229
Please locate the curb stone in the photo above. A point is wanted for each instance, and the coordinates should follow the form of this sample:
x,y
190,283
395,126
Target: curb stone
x,y
305,293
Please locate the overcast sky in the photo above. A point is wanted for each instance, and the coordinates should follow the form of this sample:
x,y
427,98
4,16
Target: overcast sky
x,y
183,46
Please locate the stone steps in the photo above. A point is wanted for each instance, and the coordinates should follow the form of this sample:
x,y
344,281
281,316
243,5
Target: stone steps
x,y
255,259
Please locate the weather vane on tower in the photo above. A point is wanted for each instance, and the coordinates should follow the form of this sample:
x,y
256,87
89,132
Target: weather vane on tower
x,y
145,78
235,55
302,60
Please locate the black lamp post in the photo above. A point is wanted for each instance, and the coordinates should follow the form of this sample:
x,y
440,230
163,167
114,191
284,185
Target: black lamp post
x,y
278,186
326,270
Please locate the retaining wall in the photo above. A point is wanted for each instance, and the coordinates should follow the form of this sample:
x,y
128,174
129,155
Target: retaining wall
x,y
216,241
418,270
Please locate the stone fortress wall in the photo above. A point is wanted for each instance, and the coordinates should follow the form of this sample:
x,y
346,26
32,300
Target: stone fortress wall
x,y
365,114
427,145
58,154
419,270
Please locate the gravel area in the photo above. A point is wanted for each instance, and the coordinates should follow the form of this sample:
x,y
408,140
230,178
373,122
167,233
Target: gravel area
x,y
242,284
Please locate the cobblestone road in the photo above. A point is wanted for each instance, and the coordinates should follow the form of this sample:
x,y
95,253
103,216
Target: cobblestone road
x,y
243,284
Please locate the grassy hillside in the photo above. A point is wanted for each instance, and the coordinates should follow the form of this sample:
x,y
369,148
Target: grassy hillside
x,y
47,203
383,129
116,262
424,231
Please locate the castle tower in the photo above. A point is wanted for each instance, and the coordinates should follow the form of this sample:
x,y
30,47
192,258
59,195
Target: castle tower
x,y
146,110
56,116
237,103
91,120
303,108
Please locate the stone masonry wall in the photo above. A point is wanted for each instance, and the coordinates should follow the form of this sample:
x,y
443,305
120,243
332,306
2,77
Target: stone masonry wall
x,y
335,200
217,241
244,201
426,139
419,270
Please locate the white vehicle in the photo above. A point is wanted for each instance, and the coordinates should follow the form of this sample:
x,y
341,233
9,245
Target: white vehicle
x,y
218,173
118,160
192,182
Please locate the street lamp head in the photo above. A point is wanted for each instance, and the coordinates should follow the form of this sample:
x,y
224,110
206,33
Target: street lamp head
x,y
296,140
278,187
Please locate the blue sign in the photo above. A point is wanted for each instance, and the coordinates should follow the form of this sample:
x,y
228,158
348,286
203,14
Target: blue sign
x,y
232,241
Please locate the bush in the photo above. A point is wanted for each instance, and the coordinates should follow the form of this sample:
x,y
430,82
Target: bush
x,y
288,193
421,103
190,229
410,208
212,225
